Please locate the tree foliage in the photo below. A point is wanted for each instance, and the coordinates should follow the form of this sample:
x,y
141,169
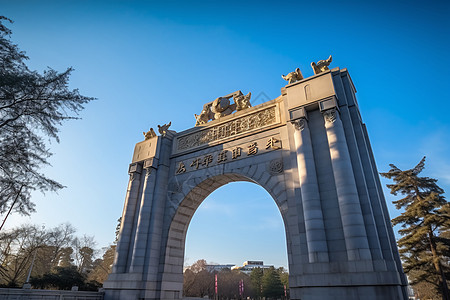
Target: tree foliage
x,y
271,284
57,258
32,108
259,284
102,267
17,249
198,282
63,278
256,277
424,246
228,284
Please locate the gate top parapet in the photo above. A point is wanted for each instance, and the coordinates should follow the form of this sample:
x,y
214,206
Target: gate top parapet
x,y
295,99
240,124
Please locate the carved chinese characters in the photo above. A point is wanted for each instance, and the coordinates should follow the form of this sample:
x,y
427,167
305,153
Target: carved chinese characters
x,y
231,154
236,152
181,168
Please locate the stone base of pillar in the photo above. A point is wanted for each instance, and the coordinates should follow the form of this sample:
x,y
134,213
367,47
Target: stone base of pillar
x,y
122,294
127,286
348,280
381,292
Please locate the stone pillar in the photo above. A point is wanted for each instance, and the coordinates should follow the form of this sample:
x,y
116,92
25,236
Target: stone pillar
x,y
351,215
154,241
126,227
312,210
142,231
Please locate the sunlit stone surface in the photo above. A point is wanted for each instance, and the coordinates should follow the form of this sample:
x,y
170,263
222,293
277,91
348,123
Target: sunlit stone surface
x,y
310,150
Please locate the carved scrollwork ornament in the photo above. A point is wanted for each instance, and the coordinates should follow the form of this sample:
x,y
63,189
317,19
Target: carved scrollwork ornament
x,y
275,166
299,124
330,115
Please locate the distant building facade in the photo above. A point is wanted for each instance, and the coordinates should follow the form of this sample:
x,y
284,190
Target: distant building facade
x,y
246,267
249,265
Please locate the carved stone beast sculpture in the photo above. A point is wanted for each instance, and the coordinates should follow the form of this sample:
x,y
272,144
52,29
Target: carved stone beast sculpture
x,y
205,115
242,101
149,134
321,66
164,128
293,76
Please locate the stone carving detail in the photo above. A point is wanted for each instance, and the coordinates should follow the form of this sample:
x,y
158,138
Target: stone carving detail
x,y
246,123
299,124
164,129
135,168
293,76
330,115
149,134
321,66
223,107
275,166
175,187
243,102
205,115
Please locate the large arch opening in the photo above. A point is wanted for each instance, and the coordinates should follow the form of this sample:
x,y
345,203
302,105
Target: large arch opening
x,y
251,226
238,222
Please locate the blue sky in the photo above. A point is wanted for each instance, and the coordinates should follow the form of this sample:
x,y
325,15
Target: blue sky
x,y
149,63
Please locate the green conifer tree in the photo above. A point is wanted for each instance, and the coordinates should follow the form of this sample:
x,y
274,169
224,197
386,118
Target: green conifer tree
x,y
256,279
271,284
423,247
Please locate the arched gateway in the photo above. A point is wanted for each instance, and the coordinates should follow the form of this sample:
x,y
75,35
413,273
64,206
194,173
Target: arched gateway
x,y
309,149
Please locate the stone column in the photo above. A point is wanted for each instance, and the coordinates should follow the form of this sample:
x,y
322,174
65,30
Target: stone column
x,y
126,227
351,215
312,210
143,224
154,241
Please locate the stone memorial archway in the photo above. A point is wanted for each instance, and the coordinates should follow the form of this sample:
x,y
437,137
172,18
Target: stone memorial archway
x,y
309,149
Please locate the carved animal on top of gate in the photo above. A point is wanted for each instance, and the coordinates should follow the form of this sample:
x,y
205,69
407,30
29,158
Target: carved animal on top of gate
x,y
164,128
223,107
321,66
149,134
205,115
242,102
293,76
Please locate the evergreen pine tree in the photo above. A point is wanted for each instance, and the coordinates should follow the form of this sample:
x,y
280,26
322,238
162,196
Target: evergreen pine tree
x,y
423,247
256,279
271,284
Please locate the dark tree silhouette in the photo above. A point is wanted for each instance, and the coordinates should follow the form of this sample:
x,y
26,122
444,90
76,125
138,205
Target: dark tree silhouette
x,y
426,218
32,108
